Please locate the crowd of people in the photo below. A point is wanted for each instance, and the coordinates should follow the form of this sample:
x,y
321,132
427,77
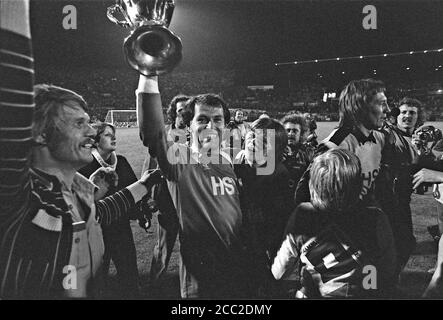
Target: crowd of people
x,y
107,89
261,210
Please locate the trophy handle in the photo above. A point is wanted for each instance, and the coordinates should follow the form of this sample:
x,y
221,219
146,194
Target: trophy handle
x,y
163,10
116,8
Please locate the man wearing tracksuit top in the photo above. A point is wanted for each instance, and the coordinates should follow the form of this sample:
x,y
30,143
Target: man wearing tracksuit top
x,y
203,187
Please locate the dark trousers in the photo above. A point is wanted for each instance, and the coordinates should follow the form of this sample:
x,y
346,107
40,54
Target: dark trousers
x,y
167,230
120,247
402,229
210,271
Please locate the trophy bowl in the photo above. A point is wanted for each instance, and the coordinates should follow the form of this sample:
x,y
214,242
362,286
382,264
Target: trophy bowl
x,y
151,48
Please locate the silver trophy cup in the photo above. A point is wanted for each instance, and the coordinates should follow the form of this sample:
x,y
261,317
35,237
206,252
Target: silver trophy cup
x,y
151,48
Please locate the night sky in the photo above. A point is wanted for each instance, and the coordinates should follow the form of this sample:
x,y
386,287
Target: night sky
x,y
225,34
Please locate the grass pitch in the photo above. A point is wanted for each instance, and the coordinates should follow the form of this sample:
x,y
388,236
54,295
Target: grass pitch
x,y
414,278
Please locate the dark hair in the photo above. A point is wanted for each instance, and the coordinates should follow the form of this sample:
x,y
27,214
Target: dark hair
x,y
281,137
421,114
101,127
49,100
354,98
212,100
296,118
172,108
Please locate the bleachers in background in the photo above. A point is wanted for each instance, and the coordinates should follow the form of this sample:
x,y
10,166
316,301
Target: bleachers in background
x,y
106,89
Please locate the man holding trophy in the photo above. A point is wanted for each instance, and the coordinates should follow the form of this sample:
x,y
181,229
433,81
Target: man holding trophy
x,y
204,192
200,177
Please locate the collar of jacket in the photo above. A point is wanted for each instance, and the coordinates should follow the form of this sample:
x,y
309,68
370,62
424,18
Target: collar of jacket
x,y
361,138
47,190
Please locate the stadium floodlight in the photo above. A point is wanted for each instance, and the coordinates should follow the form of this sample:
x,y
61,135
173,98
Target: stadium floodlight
x,y
360,57
122,118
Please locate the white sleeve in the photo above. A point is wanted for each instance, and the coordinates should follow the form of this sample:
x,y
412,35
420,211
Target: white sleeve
x,y
286,258
14,16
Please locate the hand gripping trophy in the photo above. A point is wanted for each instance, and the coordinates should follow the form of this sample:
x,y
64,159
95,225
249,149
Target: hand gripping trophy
x,y
151,48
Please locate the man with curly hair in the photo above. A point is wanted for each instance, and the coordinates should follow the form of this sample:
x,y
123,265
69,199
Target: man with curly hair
x,y
298,154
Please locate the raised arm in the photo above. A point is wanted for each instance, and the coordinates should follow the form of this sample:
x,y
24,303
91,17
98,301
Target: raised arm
x,y
16,106
150,120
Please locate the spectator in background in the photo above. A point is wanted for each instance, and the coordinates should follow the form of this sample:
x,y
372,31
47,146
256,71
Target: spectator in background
x,y
394,185
266,199
330,240
117,237
178,117
298,154
237,132
311,137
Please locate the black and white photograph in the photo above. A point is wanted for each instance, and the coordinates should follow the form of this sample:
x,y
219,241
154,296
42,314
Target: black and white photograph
x,y
222,155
